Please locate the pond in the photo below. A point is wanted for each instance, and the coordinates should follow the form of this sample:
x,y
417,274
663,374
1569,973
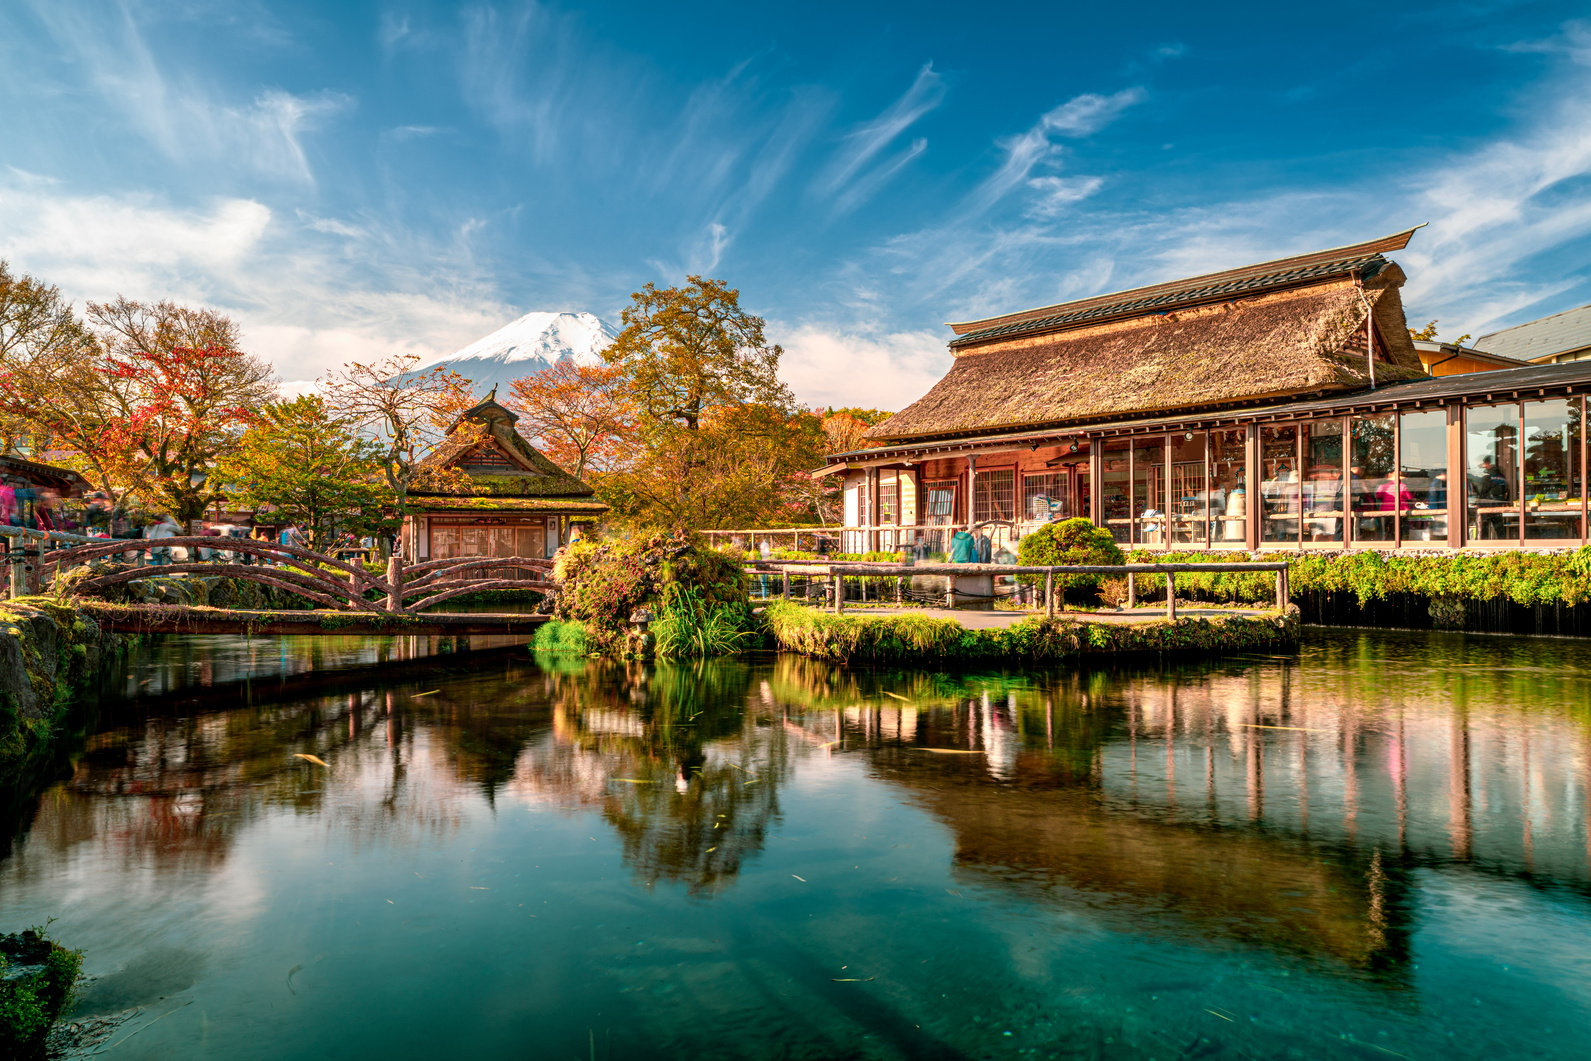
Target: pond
x,y
1377,848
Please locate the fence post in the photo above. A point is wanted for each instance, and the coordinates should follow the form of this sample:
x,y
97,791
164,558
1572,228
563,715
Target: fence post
x,y
32,559
395,580
1171,596
950,591
14,560
1282,594
1132,590
839,591
1049,593
784,577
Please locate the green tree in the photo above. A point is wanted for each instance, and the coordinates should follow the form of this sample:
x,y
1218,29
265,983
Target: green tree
x,y
313,466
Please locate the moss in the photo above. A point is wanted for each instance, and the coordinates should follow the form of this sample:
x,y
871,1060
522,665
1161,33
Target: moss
x,y
36,980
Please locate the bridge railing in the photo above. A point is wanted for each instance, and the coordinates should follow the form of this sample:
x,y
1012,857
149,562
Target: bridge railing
x,y
36,557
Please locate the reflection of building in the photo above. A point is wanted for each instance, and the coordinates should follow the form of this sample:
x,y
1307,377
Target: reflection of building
x,y
488,492
1276,406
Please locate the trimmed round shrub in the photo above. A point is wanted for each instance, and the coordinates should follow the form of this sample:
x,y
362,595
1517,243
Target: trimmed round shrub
x,y
1071,541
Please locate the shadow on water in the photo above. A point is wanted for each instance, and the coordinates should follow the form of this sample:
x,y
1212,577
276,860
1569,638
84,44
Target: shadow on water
x,y
1195,831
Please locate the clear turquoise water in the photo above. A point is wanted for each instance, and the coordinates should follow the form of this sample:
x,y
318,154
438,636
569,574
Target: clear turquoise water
x,y
1377,849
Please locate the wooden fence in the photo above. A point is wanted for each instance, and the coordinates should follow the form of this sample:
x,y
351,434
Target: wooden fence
x,y
834,572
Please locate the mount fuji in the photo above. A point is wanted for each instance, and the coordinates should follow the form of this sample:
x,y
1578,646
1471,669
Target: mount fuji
x,y
527,346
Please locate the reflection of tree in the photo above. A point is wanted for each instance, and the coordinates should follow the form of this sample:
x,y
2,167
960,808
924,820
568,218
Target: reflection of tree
x,y
686,777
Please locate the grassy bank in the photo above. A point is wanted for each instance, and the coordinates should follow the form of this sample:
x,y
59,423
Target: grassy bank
x,y
922,639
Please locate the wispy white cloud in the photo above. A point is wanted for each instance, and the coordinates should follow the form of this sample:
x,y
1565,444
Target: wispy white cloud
x,y
185,119
1089,113
864,143
309,292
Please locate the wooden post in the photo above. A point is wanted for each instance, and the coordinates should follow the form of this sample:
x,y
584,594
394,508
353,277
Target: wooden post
x,y
1282,594
900,591
395,581
353,583
784,578
839,591
950,591
1171,596
1132,590
19,585
1049,594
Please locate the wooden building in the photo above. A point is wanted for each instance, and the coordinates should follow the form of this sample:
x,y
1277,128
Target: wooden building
x,y
1281,405
488,492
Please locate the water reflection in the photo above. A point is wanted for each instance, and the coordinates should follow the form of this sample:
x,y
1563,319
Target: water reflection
x,y
1295,809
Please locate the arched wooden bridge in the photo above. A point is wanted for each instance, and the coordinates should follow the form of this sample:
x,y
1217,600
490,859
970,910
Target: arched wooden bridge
x,y
405,591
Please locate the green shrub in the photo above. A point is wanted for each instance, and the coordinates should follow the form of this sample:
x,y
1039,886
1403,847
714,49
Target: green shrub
x,y
1071,541
604,583
32,1001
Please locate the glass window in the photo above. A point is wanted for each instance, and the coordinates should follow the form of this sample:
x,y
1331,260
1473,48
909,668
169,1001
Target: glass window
x,y
1279,484
939,508
888,500
1491,471
1422,467
1322,486
1044,497
1114,487
994,496
1228,486
1553,476
1189,500
1372,484
1149,492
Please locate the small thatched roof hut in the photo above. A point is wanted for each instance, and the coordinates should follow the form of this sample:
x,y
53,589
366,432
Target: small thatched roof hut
x,y
486,491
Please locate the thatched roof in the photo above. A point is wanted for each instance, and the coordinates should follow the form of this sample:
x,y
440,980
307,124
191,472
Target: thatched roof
x,y
1292,332
484,444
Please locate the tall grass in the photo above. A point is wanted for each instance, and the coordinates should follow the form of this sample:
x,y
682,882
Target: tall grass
x,y
688,626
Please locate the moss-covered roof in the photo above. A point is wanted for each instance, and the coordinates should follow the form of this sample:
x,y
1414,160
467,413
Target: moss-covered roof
x,y
525,472
455,503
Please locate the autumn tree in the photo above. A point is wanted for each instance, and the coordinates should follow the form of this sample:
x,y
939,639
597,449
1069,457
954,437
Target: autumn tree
x,y
313,465
684,350
39,334
579,415
161,394
408,410
717,434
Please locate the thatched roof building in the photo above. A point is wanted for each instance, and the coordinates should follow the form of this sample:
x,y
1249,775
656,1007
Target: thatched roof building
x,y
1285,328
1278,405
485,490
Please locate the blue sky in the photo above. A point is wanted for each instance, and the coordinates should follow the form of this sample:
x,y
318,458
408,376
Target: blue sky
x,y
354,179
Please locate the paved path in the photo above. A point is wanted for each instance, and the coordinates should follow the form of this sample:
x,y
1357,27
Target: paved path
x,y
994,620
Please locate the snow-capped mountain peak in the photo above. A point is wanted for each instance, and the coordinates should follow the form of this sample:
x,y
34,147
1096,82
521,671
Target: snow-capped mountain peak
x,y
531,344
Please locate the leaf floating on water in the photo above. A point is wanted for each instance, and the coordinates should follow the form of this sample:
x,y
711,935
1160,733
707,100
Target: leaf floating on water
x,y
479,888
635,780
710,850
953,751
1218,1013
290,973
317,760
1300,729
897,696
433,692
798,877
390,902
852,979
753,781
